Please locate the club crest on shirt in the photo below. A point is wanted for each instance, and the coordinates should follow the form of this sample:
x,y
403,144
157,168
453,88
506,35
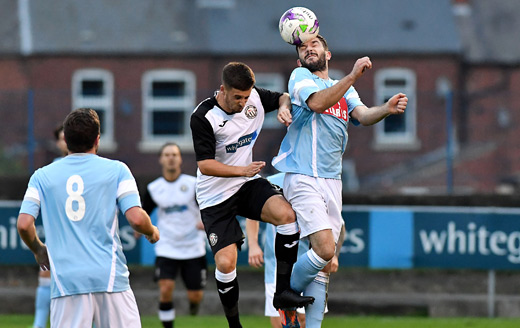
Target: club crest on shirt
x,y
250,112
213,239
184,188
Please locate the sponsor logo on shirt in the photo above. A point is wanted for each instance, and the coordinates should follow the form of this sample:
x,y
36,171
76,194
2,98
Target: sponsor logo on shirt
x,y
176,208
242,141
340,110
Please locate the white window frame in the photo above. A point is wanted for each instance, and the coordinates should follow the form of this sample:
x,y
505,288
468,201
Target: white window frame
x,y
406,140
104,102
186,103
273,82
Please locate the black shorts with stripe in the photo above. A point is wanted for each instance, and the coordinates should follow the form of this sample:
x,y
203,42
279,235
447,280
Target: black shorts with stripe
x,y
193,271
220,221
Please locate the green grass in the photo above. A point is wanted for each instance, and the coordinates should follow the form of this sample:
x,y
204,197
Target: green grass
x,y
24,321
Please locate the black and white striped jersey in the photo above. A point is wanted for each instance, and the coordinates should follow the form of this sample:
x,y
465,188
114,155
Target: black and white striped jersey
x,y
177,217
228,139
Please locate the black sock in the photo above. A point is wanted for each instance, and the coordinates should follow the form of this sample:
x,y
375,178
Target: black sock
x,y
194,308
166,306
286,251
228,293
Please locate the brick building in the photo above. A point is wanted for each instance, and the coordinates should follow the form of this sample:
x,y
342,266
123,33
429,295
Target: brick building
x,y
145,65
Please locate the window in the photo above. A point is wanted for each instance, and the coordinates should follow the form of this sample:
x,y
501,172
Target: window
x,y
396,131
168,101
273,82
94,88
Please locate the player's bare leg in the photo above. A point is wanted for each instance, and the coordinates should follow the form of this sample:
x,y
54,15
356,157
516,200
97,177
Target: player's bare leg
x,y
166,306
195,297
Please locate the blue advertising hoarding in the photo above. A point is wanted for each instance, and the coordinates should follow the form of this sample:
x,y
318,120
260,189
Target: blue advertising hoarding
x,y
377,237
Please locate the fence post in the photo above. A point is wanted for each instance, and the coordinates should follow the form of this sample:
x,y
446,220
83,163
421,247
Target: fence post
x,y
31,144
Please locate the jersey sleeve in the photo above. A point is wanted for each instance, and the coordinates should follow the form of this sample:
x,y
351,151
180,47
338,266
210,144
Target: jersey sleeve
x,y
302,86
31,200
127,192
353,100
270,99
203,137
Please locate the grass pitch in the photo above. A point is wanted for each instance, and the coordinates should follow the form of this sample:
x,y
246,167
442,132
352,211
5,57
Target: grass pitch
x,y
24,321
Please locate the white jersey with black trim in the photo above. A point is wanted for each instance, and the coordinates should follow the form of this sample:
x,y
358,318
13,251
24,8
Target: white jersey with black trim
x,y
229,139
178,215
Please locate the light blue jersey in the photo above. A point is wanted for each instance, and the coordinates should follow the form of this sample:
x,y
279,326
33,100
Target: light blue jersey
x,y
315,143
79,197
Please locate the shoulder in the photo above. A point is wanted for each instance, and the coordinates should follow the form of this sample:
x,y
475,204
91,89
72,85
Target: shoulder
x,y
156,182
301,72
204,107
188,178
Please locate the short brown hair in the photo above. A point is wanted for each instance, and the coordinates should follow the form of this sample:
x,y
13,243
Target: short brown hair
x,y
322,40
81,128
238,76
168,144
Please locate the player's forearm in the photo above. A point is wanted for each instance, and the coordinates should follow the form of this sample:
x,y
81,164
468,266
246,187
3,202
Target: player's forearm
x,y
140,221
27,231
324,99
252,228
369,116
215,168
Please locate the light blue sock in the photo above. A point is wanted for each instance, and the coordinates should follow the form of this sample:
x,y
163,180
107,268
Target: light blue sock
x,y
318,289
306,269
42,305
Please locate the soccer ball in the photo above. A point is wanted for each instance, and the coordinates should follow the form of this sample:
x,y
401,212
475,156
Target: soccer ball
x,y
298,25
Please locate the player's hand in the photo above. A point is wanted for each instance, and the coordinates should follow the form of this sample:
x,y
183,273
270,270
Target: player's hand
x,y
253,168
256,256
397,104
284,115
42,258
361,65
154,237
334,264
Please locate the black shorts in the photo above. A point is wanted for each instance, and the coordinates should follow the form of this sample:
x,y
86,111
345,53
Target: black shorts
x,y
193,271
220,221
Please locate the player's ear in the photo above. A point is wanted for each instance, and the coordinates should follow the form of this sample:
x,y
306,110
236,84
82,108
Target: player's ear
x,y
298,62
328,55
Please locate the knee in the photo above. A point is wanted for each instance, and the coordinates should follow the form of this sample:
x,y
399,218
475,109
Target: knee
x,y
225,265
286,215
326,252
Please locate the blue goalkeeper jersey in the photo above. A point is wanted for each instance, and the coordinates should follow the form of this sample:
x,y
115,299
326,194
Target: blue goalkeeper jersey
x,y
79,197
315,143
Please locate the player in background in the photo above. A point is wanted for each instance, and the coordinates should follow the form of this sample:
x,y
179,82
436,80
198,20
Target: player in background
x,y
257,258
183,242
311,154
225,128
42,303
79,197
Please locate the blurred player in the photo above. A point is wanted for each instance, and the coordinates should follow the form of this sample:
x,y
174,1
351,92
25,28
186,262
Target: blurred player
x,y
183,242
257,258
42,304
311,154
79,197
225,128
